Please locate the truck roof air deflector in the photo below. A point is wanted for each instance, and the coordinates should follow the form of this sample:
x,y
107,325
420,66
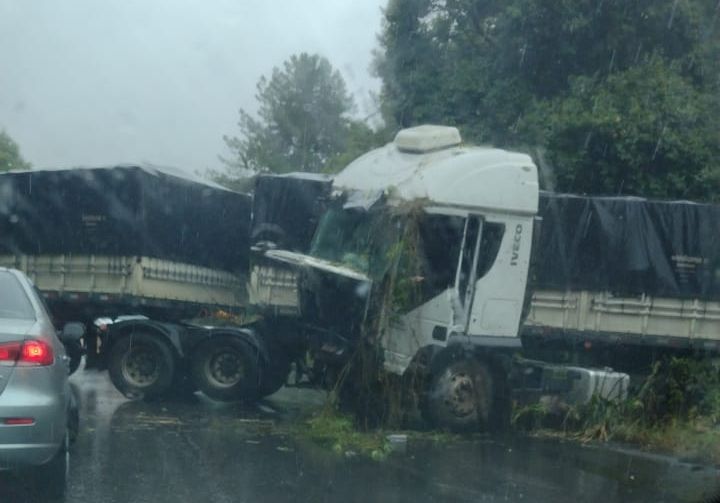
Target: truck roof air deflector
x,y
427,138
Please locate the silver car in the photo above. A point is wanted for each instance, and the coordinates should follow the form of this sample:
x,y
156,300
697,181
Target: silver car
x,y
38,412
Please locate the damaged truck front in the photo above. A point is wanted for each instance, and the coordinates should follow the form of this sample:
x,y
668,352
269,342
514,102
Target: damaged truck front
x,y
423,259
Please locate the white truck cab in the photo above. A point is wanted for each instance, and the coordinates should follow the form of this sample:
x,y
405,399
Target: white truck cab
x,y
426,254
479,205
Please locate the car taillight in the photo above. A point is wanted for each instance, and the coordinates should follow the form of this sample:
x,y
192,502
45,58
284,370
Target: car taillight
x,y
31,352
36,353
9,351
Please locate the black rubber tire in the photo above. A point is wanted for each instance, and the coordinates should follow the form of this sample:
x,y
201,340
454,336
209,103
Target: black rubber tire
x,y
226,369
74,363
274,376
501,413
53,475
153,354
74,351
461,397
73,422
183,388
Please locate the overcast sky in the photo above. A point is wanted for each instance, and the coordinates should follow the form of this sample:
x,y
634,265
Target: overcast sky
x,y
88,82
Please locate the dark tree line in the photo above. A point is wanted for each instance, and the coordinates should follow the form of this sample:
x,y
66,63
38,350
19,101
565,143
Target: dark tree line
x,y
609,96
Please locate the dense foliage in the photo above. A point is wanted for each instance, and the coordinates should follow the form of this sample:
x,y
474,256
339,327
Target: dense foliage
x,y
611,96
10,157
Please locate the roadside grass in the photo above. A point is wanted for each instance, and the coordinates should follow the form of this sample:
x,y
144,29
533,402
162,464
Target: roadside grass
x,y
339,432
697,439
676,411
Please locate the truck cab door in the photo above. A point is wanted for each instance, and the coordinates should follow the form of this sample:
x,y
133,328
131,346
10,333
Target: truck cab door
x,y
466,273
494,294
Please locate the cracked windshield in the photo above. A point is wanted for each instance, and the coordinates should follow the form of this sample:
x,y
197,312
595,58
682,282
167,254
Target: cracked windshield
x,y
337,251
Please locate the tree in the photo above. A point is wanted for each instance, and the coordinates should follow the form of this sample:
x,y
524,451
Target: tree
x,y
302,123
10,157
534,73
645,130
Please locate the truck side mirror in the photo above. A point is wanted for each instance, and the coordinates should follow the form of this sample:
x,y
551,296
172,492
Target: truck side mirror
x,y
72,332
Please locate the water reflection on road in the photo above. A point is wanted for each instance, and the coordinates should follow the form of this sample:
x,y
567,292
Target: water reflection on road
x,y
203,451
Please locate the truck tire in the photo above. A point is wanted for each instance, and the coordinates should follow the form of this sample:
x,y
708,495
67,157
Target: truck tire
x,y
460,398
141,366
74,353
183,387
274,376
226,368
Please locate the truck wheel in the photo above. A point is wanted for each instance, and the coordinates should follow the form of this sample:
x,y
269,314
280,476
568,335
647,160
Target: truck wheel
x,y
141,366
74,352
273,377
183,387
225,368
461,397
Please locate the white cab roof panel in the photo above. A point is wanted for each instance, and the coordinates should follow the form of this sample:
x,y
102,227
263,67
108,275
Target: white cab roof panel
x,y
469,177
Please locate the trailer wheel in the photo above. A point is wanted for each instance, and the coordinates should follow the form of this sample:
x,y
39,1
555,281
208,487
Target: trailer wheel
x,y
274,376
225,368
141,366
461,396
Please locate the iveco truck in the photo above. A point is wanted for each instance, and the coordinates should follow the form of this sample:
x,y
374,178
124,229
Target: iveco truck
x,y
427,262
450,262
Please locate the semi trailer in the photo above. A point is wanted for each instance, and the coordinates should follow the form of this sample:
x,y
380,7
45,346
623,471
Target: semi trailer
x,y
449,264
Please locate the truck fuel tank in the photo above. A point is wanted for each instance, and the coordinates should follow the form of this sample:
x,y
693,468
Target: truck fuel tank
x,y
564,385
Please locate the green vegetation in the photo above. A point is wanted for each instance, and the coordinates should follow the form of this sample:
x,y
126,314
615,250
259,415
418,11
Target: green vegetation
x,y
342,434
611,97
628,103
336,431
10,157
676,409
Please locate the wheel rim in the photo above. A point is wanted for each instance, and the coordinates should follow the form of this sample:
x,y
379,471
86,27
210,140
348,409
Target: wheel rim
x,y
225,368
141,366
461,398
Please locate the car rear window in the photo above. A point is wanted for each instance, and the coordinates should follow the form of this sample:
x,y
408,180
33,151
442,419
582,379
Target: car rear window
x,y
14,302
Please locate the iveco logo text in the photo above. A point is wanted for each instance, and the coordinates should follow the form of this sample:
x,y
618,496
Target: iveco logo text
x,y
516,244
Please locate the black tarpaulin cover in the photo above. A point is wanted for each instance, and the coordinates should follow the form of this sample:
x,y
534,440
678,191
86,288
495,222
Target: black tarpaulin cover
x,y
287,208
628,246
124,211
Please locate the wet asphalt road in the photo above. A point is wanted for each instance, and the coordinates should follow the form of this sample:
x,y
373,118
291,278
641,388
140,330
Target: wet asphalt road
x,y
200,451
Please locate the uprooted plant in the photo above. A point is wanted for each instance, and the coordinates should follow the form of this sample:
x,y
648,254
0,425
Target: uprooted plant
x,y
375,397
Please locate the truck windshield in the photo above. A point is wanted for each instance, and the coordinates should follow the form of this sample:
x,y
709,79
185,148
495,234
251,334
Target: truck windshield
x,y
359,240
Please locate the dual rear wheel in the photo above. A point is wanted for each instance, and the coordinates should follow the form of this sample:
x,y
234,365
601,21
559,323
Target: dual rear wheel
x,y
224,367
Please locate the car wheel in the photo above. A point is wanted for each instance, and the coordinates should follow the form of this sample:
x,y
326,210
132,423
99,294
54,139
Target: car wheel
x,y
225,368
73,422
141,366
53,476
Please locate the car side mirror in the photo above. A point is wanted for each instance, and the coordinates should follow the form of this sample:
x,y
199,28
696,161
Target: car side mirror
x,y
72,332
